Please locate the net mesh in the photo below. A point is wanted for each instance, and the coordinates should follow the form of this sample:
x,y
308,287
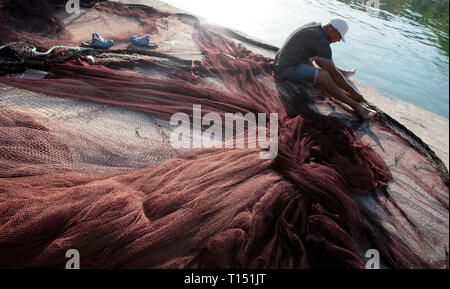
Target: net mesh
x,y
86,160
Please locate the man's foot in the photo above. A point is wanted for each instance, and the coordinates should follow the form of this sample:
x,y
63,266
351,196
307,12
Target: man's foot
x,y
365,113
350,73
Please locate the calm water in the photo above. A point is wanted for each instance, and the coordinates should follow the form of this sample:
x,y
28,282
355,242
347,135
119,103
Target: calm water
x,y
401,49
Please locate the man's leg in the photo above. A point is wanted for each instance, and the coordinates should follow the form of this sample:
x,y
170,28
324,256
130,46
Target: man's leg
x,y
327,81
301,73
347,73
305,73
339,78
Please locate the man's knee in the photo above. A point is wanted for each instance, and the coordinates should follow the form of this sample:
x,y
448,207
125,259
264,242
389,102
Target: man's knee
x,y
324,77
327,65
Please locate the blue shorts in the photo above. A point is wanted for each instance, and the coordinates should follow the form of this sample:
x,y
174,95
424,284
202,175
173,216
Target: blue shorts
x,y
301,73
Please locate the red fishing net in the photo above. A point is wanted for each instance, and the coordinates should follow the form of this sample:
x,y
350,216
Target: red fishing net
x,y
72,175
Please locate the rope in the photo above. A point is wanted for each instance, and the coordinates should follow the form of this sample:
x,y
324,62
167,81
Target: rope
x,y
34,49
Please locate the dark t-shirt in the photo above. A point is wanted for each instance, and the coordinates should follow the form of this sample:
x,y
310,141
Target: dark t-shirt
x,y
307,41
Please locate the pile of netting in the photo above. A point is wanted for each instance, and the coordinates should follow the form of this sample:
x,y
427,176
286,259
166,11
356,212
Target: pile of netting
x,y
61,188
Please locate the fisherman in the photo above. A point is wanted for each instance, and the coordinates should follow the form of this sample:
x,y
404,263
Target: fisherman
x,y
311,43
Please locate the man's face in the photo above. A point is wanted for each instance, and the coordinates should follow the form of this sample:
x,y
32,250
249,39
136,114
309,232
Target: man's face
x,y
334,35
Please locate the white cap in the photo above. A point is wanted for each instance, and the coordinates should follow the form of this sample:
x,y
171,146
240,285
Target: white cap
x,y
340,25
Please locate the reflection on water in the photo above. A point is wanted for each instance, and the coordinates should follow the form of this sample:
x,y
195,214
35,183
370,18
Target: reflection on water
x,y
430,14
402,49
